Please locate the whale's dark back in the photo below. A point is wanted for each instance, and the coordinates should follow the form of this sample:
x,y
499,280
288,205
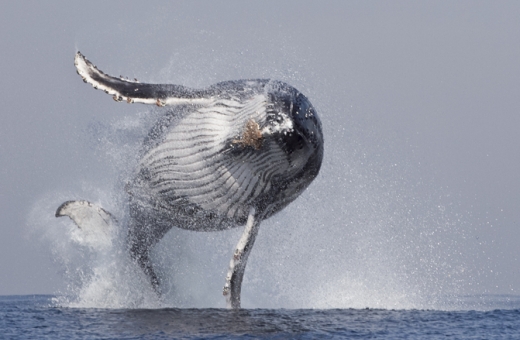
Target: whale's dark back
x,y
253,143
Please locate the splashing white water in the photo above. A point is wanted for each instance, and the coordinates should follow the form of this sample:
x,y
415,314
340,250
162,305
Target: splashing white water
x,y
326,250
359,237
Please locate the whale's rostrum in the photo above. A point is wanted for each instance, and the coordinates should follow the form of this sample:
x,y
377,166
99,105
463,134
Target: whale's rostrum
x,y
229,155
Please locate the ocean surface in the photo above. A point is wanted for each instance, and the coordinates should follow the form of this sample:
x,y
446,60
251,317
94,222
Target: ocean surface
x,y
38,317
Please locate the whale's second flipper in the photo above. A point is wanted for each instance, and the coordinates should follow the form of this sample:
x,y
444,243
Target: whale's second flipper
x,y
237,265
97,224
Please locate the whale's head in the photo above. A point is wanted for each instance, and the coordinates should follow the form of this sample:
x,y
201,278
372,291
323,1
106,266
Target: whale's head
x,y
295,124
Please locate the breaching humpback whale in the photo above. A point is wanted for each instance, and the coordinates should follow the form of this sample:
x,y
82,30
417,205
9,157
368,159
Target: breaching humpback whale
x,y
229,155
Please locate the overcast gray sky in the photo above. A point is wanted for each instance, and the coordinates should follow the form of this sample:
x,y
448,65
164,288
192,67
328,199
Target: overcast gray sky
x,y
420,104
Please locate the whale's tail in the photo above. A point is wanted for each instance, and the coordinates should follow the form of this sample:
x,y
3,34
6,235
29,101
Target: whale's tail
x,y
98,228
98,225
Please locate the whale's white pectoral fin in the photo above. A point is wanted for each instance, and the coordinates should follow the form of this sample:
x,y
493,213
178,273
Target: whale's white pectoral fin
x,y
96,224
237,265
132,91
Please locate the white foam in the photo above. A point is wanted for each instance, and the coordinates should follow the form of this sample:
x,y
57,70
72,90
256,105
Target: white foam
x,y
355,239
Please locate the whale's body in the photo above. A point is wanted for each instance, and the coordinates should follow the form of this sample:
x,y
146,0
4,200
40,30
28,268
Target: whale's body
x,y
234,153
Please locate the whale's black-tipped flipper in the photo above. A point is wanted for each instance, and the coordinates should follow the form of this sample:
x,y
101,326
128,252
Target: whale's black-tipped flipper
x,y
134,92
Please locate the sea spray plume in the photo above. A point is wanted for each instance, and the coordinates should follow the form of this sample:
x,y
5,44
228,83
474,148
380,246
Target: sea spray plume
x,y
229,155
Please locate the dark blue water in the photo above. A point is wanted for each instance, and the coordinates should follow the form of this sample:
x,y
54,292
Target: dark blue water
x,y
35,317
